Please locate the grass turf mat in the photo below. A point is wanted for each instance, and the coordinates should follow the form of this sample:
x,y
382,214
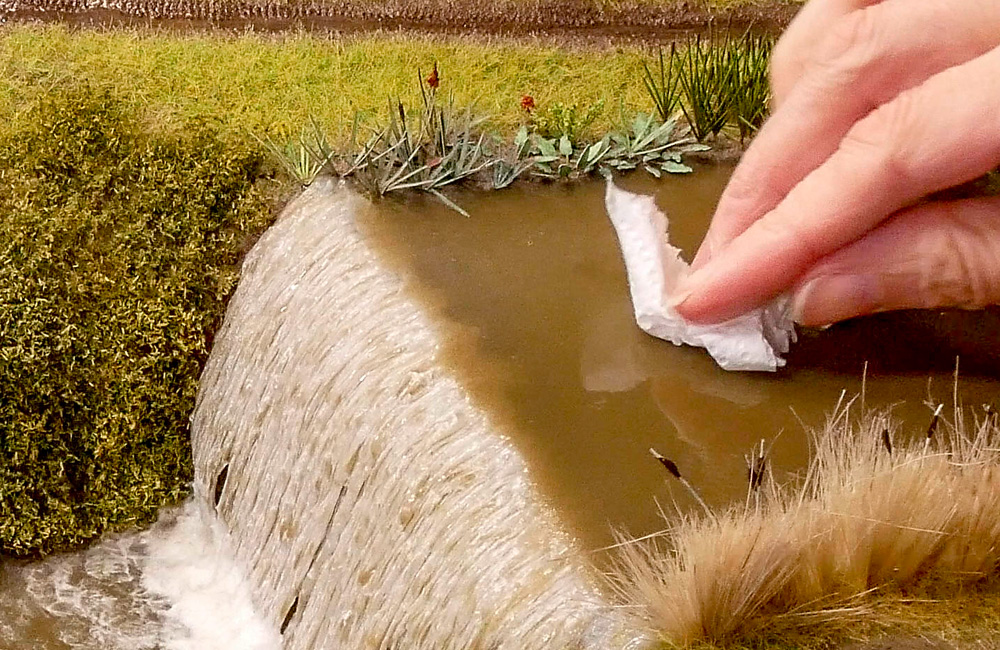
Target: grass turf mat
x,y
117,251
258,84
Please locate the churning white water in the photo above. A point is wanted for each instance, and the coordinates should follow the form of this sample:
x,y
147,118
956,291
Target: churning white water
x,y
190,565
172,587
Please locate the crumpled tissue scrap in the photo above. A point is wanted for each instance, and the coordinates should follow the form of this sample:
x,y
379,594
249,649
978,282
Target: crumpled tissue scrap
x,y
754,341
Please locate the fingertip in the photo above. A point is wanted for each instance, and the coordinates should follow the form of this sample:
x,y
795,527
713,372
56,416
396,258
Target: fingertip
x,y
681,301
698,299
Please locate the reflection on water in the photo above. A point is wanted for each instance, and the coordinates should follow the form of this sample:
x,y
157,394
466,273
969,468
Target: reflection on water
x,y
533,304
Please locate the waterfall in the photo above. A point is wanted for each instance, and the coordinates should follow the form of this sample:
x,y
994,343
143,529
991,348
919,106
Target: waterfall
x,y
369,501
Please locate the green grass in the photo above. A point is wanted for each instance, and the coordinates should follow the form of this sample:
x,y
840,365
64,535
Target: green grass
x,y
268,88
272,85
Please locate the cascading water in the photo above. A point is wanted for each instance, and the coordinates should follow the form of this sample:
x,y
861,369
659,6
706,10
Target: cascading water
x,y
371,503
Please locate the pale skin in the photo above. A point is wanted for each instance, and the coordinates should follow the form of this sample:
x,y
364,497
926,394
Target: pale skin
x,y
876,106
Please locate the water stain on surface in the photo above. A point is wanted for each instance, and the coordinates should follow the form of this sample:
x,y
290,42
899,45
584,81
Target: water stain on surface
x,y
531,299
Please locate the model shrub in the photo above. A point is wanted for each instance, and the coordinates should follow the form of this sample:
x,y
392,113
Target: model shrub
x,y
118,249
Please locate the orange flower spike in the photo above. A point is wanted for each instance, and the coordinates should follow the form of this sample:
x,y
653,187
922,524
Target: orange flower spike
x,y
433,81
528,103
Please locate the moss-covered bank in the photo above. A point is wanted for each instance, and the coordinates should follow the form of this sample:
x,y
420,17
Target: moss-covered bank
x,y
118,249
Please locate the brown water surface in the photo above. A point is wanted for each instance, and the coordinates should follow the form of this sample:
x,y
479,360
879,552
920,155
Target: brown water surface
x,y
532,301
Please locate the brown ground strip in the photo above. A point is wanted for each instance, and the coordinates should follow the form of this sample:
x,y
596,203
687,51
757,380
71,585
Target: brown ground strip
x,y
573,20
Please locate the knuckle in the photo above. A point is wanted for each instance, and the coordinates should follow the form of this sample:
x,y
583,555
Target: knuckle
x,y
849,48
803,242
848,35
751,190
880,138
960,266
744,184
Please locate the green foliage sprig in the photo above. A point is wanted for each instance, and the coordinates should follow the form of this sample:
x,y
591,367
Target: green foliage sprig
x,y
663,88
716,82
644,142
117,252
559,121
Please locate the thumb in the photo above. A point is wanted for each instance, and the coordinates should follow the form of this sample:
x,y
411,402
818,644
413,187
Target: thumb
x,y
941,254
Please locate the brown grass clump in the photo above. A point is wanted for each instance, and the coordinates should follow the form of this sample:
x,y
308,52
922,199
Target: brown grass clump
x,y
873,516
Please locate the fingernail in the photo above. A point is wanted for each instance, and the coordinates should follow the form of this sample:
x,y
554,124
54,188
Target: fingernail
x,y
702,257
685,288
829,299
678,298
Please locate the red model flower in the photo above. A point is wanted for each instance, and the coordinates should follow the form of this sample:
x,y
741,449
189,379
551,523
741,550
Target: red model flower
x,y
433,80
528,103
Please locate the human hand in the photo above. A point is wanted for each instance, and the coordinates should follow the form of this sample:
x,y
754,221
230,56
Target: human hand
x,y
876,106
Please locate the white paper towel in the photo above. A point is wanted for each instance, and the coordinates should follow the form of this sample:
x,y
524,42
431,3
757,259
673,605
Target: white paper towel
x,y
753,341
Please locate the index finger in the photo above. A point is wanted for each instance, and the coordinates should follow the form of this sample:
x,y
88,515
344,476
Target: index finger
x,y
940,134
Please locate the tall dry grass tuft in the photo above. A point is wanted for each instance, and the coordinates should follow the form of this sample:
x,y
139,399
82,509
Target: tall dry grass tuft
x,y
873,512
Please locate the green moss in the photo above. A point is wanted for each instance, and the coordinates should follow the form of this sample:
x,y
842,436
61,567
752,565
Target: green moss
x,y
117,251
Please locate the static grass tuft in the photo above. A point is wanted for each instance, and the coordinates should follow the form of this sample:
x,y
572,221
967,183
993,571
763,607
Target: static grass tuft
x,y
117,252
867,535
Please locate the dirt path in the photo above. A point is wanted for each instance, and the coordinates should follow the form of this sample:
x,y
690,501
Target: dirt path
x,y
560,20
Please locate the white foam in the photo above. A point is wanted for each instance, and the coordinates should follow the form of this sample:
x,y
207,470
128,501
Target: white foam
x,y
189,563
172,587
754,341
87,600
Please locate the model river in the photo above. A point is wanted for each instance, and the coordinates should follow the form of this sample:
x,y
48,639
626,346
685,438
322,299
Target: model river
x,y
530,306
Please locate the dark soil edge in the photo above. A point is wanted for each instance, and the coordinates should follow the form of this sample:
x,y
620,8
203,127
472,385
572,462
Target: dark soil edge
x,y
573,20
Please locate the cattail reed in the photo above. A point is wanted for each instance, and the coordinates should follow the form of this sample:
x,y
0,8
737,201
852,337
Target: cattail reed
x,y
671,467
756,462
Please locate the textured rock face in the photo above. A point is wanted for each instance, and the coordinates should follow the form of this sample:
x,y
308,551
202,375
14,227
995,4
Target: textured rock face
x,y
370,502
